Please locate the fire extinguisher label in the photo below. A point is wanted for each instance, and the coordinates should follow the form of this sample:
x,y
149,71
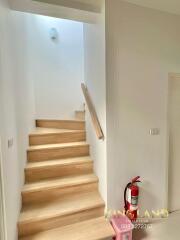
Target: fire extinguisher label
x,y
134,200
128,196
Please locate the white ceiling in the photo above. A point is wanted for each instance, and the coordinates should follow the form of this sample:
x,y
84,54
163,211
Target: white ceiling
x,y
87,5
58,11
171,6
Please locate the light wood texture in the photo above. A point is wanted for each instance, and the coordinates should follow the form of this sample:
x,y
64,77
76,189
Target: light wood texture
x,y
60,212
45,136
50,189
62,124
93,113
57,151
41,130
94,229
80,115
37,171
61,194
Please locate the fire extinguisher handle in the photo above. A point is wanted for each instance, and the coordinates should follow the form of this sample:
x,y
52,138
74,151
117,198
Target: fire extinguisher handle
x,y
135,179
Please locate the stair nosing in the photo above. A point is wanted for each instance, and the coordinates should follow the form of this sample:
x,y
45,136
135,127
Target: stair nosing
x,y
51,147
57,199
56,133
60,120
68,185
60,163
45,217
109,234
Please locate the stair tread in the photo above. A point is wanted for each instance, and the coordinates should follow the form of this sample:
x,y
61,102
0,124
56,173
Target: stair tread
x,y
60,182
59,162
62,120
94,229
61,124
57,145
61,206
44,131
61,187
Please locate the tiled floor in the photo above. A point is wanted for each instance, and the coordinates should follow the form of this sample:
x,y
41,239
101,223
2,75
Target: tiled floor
x,y
165,229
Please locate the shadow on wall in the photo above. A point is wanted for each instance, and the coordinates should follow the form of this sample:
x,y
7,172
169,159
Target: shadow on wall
x,y
146,198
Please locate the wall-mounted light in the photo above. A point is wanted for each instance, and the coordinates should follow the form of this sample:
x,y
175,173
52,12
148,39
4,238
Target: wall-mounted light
x,y
53,33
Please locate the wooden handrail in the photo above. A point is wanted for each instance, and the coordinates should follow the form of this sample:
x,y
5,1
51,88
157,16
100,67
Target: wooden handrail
x,y
93,113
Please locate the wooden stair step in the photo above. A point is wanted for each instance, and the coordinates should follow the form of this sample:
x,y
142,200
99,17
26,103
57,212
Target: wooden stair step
x,y
49,136
94,229
41,130
60,212
46,190
62,124
36,171
57,151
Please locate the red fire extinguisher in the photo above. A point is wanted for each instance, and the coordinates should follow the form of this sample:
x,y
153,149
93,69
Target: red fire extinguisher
x,y
131,195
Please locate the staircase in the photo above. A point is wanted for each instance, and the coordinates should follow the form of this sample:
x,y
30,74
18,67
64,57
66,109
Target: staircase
x,y
60,198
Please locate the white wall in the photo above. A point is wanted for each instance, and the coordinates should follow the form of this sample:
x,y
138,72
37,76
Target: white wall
x,y
172,6
143,45
56,66
8,125
94,49
16,110
24,85
27,55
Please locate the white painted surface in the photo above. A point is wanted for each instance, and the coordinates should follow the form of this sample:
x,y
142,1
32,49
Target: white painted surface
x,y
142,48
16,110
171,6
86,5
10,165
174,140
53,10
94,48
56,66
24,84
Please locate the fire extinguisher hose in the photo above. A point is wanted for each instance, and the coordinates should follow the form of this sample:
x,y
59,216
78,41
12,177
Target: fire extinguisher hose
x,y
125,192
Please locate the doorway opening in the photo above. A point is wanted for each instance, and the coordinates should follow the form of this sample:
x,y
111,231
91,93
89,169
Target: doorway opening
x,y
174,140
2,201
